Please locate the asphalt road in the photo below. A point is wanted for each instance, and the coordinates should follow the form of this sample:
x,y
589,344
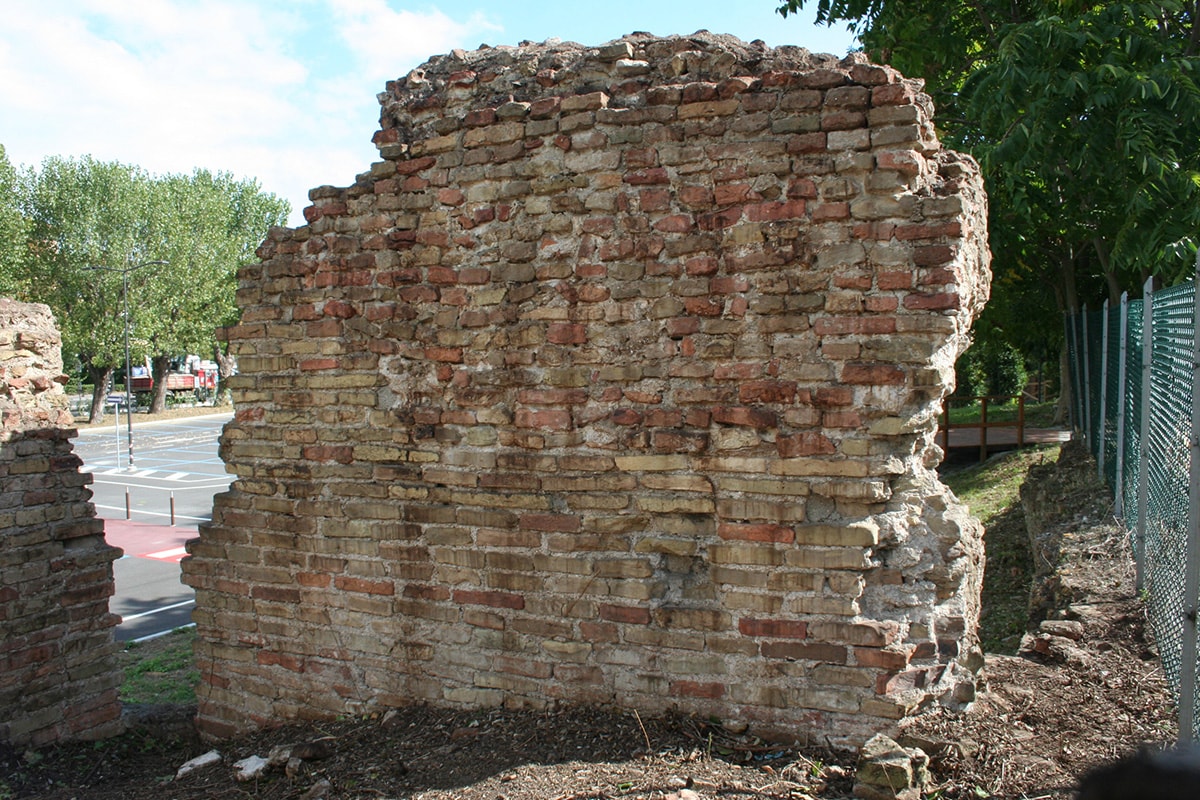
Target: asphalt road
x,y
175,464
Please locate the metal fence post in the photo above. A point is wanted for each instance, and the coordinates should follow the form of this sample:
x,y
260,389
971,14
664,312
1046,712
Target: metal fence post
x,y
1076,373
1191,582
1122,408
1086,354
1143,491
1102,432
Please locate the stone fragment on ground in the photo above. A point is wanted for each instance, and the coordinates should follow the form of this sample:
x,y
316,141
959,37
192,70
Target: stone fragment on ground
x,y
887,771
199,762
250,768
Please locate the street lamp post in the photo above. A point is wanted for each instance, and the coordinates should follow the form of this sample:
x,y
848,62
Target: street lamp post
x,y
128,377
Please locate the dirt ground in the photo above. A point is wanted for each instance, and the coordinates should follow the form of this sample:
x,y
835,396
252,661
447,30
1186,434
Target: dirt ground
x,y
1085,689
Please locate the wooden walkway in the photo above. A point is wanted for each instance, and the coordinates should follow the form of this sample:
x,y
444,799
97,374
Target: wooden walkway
x,y
999,437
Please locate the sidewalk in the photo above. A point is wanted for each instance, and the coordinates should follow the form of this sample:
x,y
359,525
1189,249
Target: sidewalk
x,y
145,540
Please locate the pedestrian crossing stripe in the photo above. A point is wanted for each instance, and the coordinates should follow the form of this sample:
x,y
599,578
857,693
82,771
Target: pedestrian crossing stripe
x,y
143,473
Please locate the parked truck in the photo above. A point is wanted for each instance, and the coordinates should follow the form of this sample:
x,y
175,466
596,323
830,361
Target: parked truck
x,y
187,374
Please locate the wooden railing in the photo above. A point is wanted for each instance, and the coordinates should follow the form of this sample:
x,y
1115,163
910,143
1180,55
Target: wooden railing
x,y
984,424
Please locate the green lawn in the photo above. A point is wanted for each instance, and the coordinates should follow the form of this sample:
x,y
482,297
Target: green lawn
x,y
160,670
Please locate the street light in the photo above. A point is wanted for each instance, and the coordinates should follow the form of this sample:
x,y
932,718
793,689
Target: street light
x,y
125,304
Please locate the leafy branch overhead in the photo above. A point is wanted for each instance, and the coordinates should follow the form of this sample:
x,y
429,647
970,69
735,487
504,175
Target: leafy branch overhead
x,y
1084,118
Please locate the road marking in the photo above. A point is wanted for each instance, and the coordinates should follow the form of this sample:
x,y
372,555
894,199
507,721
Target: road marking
x,y
174,554
160,634
151,513
158,610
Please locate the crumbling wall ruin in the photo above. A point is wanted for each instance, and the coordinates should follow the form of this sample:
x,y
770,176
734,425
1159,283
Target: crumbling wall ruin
x,y
613,382
59,674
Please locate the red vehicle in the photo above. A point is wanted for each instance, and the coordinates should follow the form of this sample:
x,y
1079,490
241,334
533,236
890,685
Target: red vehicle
x,y
186,375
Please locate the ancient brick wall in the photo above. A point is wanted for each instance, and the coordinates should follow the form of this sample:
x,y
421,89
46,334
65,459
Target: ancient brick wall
x,y
614,382
58,668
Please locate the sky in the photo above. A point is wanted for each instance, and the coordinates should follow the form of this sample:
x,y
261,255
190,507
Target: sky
x,y
284,91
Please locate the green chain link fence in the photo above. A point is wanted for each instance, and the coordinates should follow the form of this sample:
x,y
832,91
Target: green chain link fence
x,y
1134,371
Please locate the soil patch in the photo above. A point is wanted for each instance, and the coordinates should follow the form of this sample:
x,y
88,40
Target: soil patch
x,y
1084,689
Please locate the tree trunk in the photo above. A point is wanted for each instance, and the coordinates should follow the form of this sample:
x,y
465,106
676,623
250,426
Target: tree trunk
x,y
159,366
1110,277
1063,407
100,377
1069,302
226,368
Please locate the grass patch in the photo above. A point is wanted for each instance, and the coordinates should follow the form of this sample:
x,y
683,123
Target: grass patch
x,y
161,670
992,491
1037,415
993,487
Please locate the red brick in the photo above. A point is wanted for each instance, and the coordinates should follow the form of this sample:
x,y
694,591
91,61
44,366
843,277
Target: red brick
x,y
739,371
933,302
626,416
552,397
773,628
767,392
809,443
493,599
364,586
719,220
338,309
830,212
628,614
650,200
932,255
676,223
741,415
566,523
342,454
710,691
599,631
798,651
895,280
645,177
778,210
756,532
549,419
881,659
843,326
566,333
694,196
422,592
450,355
873,374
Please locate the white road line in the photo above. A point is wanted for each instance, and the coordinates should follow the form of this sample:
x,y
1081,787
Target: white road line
x,y
152,514
167,554
147,638
156,611
219,484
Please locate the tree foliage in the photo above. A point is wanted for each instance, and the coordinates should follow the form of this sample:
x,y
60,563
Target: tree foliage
x,y
14,227
1083,116
95,224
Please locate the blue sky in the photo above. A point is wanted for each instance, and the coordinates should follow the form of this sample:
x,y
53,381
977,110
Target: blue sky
x,y
283,90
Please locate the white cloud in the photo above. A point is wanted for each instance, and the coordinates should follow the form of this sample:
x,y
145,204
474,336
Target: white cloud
x,y
280,90
387,43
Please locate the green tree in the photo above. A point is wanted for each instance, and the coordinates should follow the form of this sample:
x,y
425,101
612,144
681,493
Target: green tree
x,y
14,228
92,220
208,225
86,214
1082,115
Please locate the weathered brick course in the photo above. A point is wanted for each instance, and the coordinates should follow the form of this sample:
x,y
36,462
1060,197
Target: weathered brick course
x,y
615,381
58,669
